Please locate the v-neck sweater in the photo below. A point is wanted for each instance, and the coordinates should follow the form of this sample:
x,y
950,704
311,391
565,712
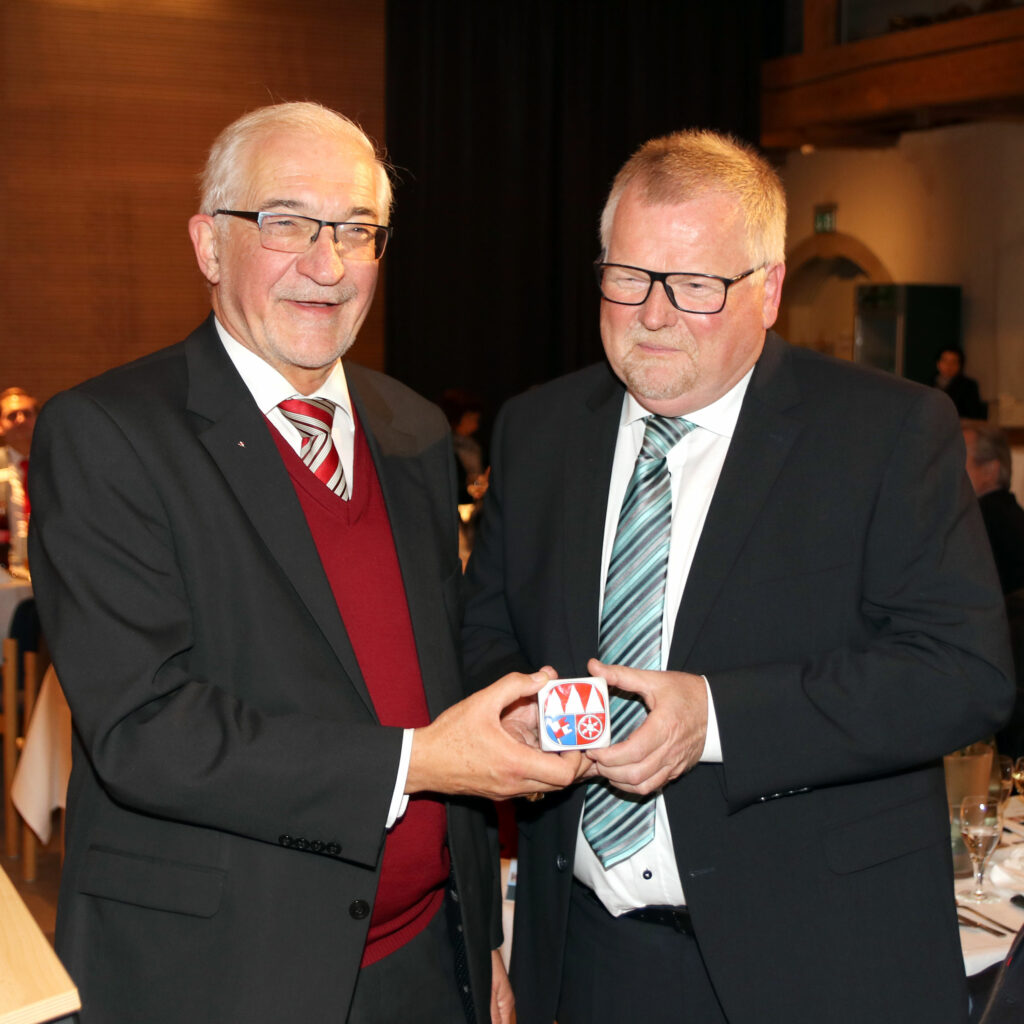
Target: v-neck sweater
x,y
357,551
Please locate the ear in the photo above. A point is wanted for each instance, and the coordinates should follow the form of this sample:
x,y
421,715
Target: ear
x,y
773,277
204,242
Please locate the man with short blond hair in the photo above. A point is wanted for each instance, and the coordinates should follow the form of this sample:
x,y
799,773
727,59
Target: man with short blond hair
x,y
775,560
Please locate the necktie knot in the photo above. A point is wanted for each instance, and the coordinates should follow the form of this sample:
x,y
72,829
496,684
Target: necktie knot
x,y
661,434
310,415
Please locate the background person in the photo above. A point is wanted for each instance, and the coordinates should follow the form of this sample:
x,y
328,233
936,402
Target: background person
x,y
18,412
989,467
962,390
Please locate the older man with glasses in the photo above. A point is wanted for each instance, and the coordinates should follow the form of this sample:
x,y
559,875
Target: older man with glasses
x,y
775,561
245,556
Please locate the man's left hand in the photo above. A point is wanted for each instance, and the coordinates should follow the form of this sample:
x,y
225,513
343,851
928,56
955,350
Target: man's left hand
x,y
668,742
502,1001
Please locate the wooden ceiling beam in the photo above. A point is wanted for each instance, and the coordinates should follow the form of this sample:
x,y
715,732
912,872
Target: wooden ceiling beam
x,y
944,73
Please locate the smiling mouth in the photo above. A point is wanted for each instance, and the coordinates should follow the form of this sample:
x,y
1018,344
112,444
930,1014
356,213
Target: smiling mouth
x,y
658,349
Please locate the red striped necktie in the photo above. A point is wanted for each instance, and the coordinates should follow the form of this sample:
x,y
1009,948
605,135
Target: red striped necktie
x,y
313,418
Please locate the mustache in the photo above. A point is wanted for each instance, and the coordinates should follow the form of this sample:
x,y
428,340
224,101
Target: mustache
x,y
335,296
676,337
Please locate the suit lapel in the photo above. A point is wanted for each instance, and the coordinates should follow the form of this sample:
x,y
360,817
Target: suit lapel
x,y
238,439
587,470
759,448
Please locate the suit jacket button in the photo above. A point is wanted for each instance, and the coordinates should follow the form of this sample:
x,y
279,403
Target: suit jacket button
x,y
359,909
332,849
561,862
316,846
300,844
285,840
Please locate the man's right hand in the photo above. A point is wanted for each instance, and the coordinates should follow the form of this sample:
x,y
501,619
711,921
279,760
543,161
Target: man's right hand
x,y
467,750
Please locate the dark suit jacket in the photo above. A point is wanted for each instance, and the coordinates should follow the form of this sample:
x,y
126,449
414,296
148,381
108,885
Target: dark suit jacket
x,y
843,605
230,785
1004,523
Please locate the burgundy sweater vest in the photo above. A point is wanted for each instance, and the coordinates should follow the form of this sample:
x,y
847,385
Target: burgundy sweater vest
x,y
357,550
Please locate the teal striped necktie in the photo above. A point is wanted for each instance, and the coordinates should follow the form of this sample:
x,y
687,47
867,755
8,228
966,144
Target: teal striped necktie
x,y
617,824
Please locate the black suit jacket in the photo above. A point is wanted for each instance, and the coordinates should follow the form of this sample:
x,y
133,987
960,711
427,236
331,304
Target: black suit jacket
x,y
230,785
843,605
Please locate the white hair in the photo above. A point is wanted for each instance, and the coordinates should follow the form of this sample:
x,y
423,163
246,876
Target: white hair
x,y
223,179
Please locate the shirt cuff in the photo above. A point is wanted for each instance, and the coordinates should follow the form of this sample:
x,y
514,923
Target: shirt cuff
x,y
712,741
400,799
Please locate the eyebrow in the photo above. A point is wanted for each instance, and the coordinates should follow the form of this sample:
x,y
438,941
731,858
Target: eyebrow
x,y
299,207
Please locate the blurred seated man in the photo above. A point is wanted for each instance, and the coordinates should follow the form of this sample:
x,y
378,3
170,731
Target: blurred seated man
x,y
989,467
17,421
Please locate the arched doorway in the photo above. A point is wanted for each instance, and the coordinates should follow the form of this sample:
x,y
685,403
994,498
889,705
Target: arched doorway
x,y
822,273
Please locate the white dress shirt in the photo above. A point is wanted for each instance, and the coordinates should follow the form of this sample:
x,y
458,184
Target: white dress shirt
x,y
650,877
268,389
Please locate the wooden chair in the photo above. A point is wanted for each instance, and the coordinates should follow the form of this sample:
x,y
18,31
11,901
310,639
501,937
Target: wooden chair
x,y
15,726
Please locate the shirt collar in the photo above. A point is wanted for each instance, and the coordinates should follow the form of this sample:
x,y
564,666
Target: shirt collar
x,y
719,417
268,387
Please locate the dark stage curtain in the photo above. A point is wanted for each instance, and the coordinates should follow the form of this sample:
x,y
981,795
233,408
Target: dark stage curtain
x,y
506,123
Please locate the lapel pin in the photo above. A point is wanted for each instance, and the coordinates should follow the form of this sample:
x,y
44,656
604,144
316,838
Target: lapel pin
x,y
241,444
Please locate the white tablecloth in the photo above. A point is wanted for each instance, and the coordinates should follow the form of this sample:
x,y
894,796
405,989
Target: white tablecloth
x,y
980,949
12,593
41,779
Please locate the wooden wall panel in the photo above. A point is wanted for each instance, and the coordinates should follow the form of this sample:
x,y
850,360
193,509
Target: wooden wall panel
x,y
108,108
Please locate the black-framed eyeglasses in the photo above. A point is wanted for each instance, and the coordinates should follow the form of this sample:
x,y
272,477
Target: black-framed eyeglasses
x,y
689,293
288,232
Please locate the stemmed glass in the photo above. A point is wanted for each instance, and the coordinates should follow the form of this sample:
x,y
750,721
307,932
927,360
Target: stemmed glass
x,y
981,827
1002,775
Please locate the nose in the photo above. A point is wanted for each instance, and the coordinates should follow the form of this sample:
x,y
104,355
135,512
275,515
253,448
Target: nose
x,y
321,261
658,311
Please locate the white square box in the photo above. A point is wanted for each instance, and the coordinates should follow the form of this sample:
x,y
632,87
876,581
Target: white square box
x,y
574,714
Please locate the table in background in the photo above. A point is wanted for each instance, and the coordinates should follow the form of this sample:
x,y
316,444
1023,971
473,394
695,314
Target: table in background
x,y
35,987
12,592
41,779
980,949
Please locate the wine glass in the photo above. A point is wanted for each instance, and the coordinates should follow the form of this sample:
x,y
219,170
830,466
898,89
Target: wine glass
x,y
981,827
1002,776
